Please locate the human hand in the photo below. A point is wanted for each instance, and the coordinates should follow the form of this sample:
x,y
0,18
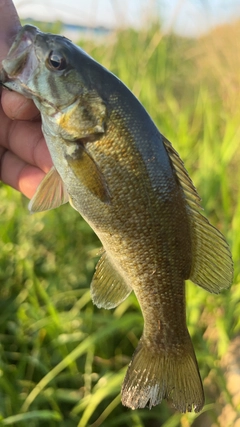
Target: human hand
x,y
24,157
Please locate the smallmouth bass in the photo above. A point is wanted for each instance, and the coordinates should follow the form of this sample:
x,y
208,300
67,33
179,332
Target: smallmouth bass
x,y
127,181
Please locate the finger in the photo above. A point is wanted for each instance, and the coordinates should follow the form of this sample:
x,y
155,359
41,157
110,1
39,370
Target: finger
x,y
17,107
25,139
23,177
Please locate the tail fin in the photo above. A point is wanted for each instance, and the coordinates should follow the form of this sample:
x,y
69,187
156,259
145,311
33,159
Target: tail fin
x,y
170,374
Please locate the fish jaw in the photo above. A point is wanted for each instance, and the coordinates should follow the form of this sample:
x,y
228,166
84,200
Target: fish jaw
x,y
21,62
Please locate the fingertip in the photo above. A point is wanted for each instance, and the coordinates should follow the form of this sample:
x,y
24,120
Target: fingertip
x,y
29,180
20,175
17,107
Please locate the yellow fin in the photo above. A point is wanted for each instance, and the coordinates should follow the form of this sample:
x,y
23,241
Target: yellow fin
x,y
108,289
212,266
88,172
155,374
51,193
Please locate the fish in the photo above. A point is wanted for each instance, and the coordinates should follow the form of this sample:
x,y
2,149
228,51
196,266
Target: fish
x,y
113,165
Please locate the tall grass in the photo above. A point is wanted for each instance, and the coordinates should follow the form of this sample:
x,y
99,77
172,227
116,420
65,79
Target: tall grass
x,y
62,361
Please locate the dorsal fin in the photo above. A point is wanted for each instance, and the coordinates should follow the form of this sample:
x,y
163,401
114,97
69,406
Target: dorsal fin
x,y
108,289
212,266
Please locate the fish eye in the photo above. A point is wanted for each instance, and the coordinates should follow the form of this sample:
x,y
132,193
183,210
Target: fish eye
x,y
56,61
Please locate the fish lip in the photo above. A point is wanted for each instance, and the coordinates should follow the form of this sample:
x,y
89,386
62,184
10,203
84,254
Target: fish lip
x,y
3,78
19,53
21,62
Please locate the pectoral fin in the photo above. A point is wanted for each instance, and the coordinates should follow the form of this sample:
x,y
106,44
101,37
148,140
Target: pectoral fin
x,y
108,289
51,193
88,172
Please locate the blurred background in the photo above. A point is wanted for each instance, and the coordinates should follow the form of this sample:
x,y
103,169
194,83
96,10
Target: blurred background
x,y
62,361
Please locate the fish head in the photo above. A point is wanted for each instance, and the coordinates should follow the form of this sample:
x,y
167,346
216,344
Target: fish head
x,y
34,62
54,72
62,81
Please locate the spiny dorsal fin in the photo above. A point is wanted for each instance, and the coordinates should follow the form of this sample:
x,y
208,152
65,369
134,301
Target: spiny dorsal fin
x,y
108,289
212,266
50,194
185,180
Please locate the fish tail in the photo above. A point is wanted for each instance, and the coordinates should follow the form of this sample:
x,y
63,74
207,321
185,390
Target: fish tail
x,y
156,374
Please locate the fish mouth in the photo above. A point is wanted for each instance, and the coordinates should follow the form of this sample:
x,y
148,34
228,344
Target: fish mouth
x,y
21,60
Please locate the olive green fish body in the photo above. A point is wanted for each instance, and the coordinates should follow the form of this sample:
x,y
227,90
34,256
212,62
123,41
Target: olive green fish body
x,y
127,181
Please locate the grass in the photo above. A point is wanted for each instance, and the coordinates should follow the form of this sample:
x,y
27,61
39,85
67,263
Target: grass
x,y
62,361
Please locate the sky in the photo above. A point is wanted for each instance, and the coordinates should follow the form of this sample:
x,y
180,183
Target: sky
x,y
185,17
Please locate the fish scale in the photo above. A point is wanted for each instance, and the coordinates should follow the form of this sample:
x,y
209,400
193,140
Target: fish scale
x,y
124,177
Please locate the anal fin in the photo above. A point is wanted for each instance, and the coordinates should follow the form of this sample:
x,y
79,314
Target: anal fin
x,y
108,289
